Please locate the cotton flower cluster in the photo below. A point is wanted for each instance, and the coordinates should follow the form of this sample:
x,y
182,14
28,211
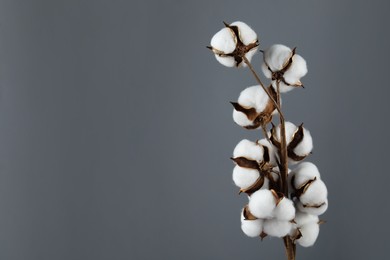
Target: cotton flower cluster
x,y
269,212
254,108
283,65
234,42
281,202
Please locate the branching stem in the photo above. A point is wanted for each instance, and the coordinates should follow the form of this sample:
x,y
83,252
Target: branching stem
x,y
283,158
247,62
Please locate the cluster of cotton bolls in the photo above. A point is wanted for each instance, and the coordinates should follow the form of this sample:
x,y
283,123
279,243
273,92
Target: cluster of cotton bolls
x,y
278,206
269,212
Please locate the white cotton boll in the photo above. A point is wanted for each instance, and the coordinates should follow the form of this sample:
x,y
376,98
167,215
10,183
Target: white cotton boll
x,y
304,172
285,210
277,228
247,35
283,88
315,194
309,234
255,97
277,56
290,131
241,119
248,149
267,73
296,71
224,41
251,228
226,61
302,218
306,145
244,177
313,210
262,203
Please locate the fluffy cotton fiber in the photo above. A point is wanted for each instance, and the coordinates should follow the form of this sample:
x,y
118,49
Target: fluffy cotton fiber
x,y
262,203
251,228
285,210
306,145
241,119
309,234
296,71
226,61
277,228
249,150
244,177
255,97
247,35
315,194
224,41
276,57
304,172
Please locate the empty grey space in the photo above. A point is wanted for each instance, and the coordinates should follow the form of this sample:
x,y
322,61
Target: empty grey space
x,y
116,128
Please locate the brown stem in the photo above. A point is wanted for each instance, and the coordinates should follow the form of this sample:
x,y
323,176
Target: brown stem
x,y
247,62
283,147
288,243
290,248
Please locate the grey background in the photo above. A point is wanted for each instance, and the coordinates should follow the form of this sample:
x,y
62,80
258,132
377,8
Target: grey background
x,y
115,127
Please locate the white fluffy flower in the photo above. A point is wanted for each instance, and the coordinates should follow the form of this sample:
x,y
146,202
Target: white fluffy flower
x,y
285,210
262,204
255,97
298,139
305,172
308,226
253,108
249,150
244,177
251,228
315,194
309,234
233,42
282,65
277,228
276,57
